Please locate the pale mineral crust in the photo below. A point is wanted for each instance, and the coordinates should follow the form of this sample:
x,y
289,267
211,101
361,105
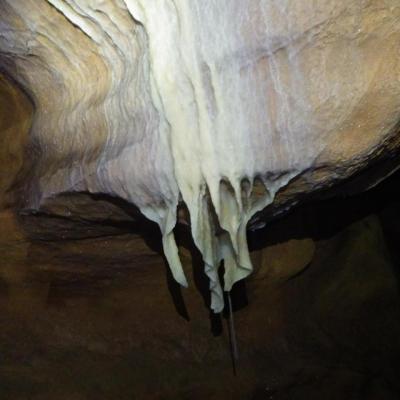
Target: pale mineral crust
x,y
197,101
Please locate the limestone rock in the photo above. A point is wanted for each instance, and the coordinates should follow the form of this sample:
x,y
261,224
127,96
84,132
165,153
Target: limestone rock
x,y
158,102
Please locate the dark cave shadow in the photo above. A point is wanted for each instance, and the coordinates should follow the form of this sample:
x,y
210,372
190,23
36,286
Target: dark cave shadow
x,y
136,223
323,219
150,233
317,220
184,238
238,293
175,291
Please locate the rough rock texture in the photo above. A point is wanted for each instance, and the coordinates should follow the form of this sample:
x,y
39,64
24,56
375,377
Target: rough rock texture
x,y
216,103
218,109
15,120
89,309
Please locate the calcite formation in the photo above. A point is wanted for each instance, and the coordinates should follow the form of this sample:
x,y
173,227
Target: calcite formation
x,y
217,104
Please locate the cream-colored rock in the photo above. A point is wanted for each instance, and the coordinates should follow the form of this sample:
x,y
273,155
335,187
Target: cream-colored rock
x,y
158,100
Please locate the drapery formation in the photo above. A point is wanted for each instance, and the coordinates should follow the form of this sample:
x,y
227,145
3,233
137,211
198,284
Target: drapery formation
x,y
162,101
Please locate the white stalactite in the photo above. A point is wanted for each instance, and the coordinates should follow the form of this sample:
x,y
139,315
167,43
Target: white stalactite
x,y
153,100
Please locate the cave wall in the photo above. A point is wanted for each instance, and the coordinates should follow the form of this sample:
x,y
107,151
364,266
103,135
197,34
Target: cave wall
x,y
216,104
114,109
90,310
15,122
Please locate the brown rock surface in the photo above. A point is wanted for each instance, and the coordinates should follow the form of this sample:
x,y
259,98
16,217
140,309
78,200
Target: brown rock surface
x,y
88,306
98,316
15,121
